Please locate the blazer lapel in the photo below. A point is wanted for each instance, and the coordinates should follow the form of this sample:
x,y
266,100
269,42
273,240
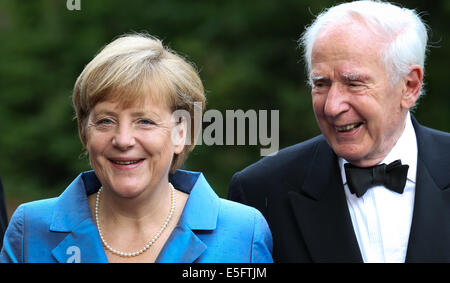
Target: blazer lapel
x,y
81,245
320,207
72,218
183,246
200,214
429,239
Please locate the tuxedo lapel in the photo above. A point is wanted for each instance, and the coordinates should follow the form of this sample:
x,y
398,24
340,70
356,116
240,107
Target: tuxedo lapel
x,y
429,239
321,211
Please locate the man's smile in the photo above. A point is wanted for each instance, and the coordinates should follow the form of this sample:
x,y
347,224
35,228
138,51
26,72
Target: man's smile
x,y
348,127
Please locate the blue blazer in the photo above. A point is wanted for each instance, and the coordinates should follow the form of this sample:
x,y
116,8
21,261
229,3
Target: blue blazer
x,y
3,214
210,229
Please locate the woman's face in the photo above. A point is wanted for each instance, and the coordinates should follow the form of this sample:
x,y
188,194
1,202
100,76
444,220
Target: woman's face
x,y
131,149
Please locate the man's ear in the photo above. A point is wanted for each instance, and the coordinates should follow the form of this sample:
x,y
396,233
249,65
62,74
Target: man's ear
x,y
413,85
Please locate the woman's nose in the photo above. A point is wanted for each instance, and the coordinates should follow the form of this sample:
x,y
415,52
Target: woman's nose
x,y
124,137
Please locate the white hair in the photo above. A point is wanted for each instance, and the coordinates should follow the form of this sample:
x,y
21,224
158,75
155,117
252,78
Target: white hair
x,y
403,29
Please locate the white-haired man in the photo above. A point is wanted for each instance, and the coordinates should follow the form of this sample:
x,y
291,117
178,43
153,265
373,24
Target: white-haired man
x,y
374,187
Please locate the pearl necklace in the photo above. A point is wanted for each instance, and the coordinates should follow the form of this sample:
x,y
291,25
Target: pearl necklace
x,y
149,244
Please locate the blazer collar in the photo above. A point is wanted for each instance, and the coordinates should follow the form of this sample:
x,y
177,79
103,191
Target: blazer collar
x,y
74,199
200,214
202,207
72,215
321,211
201,198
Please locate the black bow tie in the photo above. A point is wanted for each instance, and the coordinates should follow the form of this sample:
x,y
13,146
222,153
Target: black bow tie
x,y
392,176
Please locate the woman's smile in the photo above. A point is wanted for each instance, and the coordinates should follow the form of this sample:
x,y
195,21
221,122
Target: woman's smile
x,y
126,164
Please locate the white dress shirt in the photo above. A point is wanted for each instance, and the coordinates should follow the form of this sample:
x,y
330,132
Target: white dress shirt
x,y
382,218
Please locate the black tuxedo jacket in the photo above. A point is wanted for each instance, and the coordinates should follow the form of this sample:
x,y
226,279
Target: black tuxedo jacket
x,y
300,192
3,215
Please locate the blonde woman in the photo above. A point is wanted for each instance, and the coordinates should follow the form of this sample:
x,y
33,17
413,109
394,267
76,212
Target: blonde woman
x,y
135,206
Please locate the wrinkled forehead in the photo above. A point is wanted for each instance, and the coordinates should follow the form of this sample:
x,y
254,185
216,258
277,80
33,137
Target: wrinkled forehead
x,y
354,24
351,33
352,47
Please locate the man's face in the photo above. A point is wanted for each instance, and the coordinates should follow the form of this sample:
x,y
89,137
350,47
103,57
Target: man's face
x,y
357,107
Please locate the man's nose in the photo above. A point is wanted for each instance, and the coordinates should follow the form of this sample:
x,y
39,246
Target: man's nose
x,y
337,101
124,137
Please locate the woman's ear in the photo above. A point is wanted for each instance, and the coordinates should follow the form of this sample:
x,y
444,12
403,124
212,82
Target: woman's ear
x,y
179,134
413,86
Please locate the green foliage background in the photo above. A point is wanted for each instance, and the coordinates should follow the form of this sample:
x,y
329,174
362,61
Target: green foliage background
x,y
246,52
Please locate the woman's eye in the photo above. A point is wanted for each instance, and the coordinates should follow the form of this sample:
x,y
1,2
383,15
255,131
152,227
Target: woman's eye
x,y
146,122
104,122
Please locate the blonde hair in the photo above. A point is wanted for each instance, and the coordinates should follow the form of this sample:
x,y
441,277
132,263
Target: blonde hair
x,y
125,69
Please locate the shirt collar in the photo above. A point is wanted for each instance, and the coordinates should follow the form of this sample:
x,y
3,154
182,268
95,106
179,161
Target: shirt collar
x,y
405,149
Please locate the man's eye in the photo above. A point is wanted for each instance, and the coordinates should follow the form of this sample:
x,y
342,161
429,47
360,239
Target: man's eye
x,y
320,83
356,85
